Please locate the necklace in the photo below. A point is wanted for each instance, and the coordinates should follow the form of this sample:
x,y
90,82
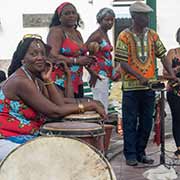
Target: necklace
x,y
29,77
26,72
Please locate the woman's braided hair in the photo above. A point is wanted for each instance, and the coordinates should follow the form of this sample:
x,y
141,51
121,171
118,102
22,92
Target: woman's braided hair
x,y
21,52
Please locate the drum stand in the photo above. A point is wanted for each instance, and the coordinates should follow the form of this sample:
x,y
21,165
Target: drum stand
x,y
158,86
162,127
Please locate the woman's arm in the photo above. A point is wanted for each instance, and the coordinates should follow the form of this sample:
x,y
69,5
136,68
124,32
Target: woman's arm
x,y
54,95
55,39
169,58
68,92
168,71
43,105
76,100
95,36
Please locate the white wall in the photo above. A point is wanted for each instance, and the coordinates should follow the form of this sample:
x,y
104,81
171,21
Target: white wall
x,y
168,14
11,27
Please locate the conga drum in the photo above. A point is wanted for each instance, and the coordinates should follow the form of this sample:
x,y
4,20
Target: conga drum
x,y
92,133
93,117
55,158
89,116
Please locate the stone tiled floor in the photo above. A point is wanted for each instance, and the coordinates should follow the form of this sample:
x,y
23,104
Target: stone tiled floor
x,y
124,172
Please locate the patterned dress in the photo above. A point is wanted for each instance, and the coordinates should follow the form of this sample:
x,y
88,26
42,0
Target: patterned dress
x,y
103,66
70,48
17,119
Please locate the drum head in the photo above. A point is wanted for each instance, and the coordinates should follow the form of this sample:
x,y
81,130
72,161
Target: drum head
x,y
69,128
55,158
90,116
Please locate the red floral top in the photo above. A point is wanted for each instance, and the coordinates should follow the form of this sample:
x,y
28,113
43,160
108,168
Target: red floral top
x,y
70,48
16,118
103,66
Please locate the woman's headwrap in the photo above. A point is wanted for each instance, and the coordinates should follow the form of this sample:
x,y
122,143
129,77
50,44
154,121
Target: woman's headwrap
x,y
104,12
61,6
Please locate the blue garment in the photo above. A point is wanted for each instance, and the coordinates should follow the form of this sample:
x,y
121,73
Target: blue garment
x,y
21,139
137,112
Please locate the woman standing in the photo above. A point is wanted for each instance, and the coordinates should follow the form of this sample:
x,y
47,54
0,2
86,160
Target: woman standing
x,y
103,67
173,92
67,45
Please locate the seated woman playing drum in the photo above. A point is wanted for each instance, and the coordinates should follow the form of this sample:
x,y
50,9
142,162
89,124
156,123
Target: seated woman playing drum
x,y
29,95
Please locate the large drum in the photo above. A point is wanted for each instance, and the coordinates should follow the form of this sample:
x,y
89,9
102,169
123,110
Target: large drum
x,y
92,133
93,117
55,158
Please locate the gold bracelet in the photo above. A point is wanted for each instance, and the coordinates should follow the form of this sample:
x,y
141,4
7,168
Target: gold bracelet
x,y
48,83
81,108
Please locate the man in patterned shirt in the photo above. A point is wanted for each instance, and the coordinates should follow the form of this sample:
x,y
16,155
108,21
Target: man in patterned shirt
x,y
136,50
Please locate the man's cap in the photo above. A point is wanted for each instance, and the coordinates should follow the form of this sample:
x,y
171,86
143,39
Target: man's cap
x,y
140,7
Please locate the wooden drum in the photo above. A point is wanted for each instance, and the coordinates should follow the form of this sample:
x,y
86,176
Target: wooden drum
x,y
92,133
93,117
89,116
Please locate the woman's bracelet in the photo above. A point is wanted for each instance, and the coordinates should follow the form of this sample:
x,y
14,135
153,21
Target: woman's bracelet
x,y
48,83
81,108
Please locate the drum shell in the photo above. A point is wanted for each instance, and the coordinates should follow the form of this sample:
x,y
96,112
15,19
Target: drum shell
x,y
108,132
91,133
94,119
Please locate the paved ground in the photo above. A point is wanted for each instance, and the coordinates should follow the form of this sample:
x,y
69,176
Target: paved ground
x,y
124,172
